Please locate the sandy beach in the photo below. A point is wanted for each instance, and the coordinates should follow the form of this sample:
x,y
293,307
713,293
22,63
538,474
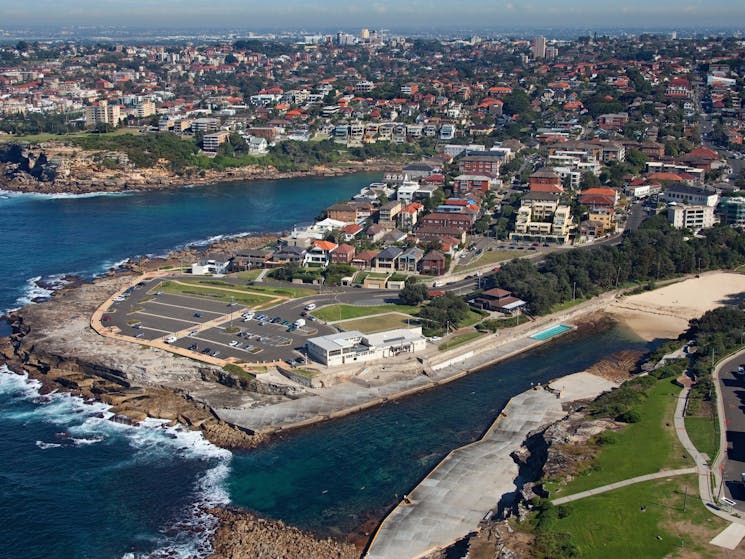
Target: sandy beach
x,y
665,312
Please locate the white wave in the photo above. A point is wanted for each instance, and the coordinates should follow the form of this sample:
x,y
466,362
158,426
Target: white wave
x,y
10,194
88,423
40,287
42,445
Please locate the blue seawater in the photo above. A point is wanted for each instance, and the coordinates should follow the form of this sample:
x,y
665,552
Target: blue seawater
x,y
74,484
47,236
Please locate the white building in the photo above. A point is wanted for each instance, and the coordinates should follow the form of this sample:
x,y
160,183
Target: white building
x,y
356,347
694,218
682,194
210,265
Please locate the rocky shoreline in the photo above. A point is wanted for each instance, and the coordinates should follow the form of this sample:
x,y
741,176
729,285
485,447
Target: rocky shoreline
x,y
55,168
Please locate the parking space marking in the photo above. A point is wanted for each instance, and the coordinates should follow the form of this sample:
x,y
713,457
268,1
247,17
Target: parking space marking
x,y
191,322
200,309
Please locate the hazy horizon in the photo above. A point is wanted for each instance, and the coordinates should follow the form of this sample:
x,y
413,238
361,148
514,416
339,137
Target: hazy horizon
x,y
412,14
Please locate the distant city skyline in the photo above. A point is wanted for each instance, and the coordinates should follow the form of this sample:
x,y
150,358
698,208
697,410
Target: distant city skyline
x,y
393,14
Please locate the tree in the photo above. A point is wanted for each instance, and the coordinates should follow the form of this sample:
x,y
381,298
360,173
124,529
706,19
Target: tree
x,y
588,180
516,102
413,294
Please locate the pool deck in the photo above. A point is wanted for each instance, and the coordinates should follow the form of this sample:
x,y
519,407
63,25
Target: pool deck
x,y
470,482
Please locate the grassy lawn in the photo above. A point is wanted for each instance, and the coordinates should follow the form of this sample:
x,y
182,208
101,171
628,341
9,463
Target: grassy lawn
x,y
645,447
281,291
460,339
246,299
388,321
472,318
345,312
488,257
614,525
704,434
248,275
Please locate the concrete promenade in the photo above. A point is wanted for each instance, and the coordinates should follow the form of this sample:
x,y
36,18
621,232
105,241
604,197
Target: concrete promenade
x,y
359,390
452,500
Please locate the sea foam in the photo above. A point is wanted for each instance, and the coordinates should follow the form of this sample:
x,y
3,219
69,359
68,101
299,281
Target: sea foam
x,y
87,423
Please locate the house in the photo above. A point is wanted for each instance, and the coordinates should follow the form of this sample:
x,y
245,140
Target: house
x,y
375,232
590,230
364,260
319,253
409,260
408,216
343,254
248,259
394,236
286,255
499,300
387,259
433,263
211,264
416,171
350,231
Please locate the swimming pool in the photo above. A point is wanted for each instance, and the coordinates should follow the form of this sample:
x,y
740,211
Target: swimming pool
x,y
551,332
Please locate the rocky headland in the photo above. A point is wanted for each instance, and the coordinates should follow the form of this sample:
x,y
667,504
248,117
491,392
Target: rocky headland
x,y
55,167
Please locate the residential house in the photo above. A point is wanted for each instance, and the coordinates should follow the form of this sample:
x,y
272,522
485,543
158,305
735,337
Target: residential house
x,y
211,264
393,236
286,255
375,232
499,300
319,253
350,231
364,260
409,215
250,259
433,263
344,254
387,259
416,171
409,260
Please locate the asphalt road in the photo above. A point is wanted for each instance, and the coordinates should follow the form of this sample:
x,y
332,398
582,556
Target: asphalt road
x,y
733,397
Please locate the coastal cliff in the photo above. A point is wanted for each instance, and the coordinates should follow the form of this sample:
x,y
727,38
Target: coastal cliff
x,y
56,167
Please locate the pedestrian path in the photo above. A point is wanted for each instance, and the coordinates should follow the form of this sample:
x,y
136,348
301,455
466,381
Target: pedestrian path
x,y
624,483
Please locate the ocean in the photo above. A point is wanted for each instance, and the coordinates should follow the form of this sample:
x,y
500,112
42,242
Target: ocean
x,y
74,484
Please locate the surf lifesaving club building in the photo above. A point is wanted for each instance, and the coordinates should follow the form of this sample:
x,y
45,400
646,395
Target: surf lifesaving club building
x,y
353,346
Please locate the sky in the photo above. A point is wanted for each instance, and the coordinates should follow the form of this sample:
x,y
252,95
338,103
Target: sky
x,y
374,14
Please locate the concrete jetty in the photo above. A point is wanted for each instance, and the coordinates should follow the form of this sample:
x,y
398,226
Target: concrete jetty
x,y
453,499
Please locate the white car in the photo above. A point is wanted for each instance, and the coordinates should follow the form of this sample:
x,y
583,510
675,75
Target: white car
x,y
310,306
233,343
171,339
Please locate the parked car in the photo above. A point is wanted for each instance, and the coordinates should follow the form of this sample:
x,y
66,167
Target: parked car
x,y
197,315
193,347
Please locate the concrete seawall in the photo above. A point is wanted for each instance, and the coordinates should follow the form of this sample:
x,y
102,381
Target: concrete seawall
x,y
470,481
